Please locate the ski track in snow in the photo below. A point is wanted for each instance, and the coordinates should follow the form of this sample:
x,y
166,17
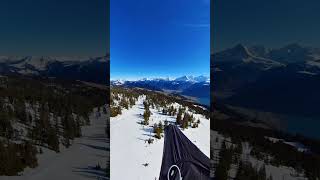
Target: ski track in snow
x,y
129,150
76,162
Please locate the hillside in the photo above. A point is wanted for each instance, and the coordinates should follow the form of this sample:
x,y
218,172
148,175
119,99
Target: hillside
x,y
138,118
246,148
47,121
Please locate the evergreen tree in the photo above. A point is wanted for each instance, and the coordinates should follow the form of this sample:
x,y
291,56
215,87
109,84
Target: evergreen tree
x,y
185,121
53,139
179,117
6,129
225,160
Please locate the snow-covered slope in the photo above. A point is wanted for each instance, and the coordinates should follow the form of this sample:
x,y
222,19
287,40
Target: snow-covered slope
x,y
276,172
76,162
131,156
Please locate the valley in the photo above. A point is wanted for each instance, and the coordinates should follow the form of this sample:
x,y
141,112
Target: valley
x,y
196,88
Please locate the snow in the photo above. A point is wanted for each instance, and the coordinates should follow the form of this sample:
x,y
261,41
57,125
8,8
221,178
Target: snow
x,y
200,78
300,147
118,82
192,79
277,173
76,162
313,63
27,71
129,149
307,72
33,64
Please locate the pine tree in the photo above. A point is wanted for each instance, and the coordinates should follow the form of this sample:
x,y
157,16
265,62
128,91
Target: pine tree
x,y
146,116
53,139
6,129
78,127
179,118
262,173
185,121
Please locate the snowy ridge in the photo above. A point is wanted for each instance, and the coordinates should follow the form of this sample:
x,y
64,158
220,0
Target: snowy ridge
x,y
194,87
192,79
240,54
36,64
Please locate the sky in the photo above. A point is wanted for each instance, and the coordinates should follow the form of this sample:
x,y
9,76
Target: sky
x,y
271,23
159,38
54,27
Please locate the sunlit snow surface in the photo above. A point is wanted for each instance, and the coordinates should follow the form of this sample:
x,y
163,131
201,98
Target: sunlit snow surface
x,y
129,150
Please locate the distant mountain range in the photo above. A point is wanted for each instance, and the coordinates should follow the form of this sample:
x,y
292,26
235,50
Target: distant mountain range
x,y
284,80
92,69
193,86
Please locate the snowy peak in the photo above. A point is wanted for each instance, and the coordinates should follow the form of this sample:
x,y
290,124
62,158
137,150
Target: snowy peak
x,y
237,53
91,69
191,86
42,63
185,78
202,78
38,62
154,79
197,79
242,54
117,82
241,50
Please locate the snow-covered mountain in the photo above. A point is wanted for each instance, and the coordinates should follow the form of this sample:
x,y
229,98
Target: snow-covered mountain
x,y
241,55
268,79
194,86
93,69
198,79
266,59
190,79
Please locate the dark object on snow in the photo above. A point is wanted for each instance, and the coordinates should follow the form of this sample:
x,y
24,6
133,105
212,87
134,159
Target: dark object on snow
x,y
181,158
145,164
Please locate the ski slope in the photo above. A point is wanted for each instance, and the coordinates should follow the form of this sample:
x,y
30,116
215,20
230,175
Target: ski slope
x,y
131,157
76,162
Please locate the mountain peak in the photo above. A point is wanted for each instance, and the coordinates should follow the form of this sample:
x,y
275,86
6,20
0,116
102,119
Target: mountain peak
x,y
200,78
236,53
185,78
240,51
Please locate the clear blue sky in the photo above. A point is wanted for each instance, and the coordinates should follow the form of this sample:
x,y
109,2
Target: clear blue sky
x,y
273,23
159,38
54,27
